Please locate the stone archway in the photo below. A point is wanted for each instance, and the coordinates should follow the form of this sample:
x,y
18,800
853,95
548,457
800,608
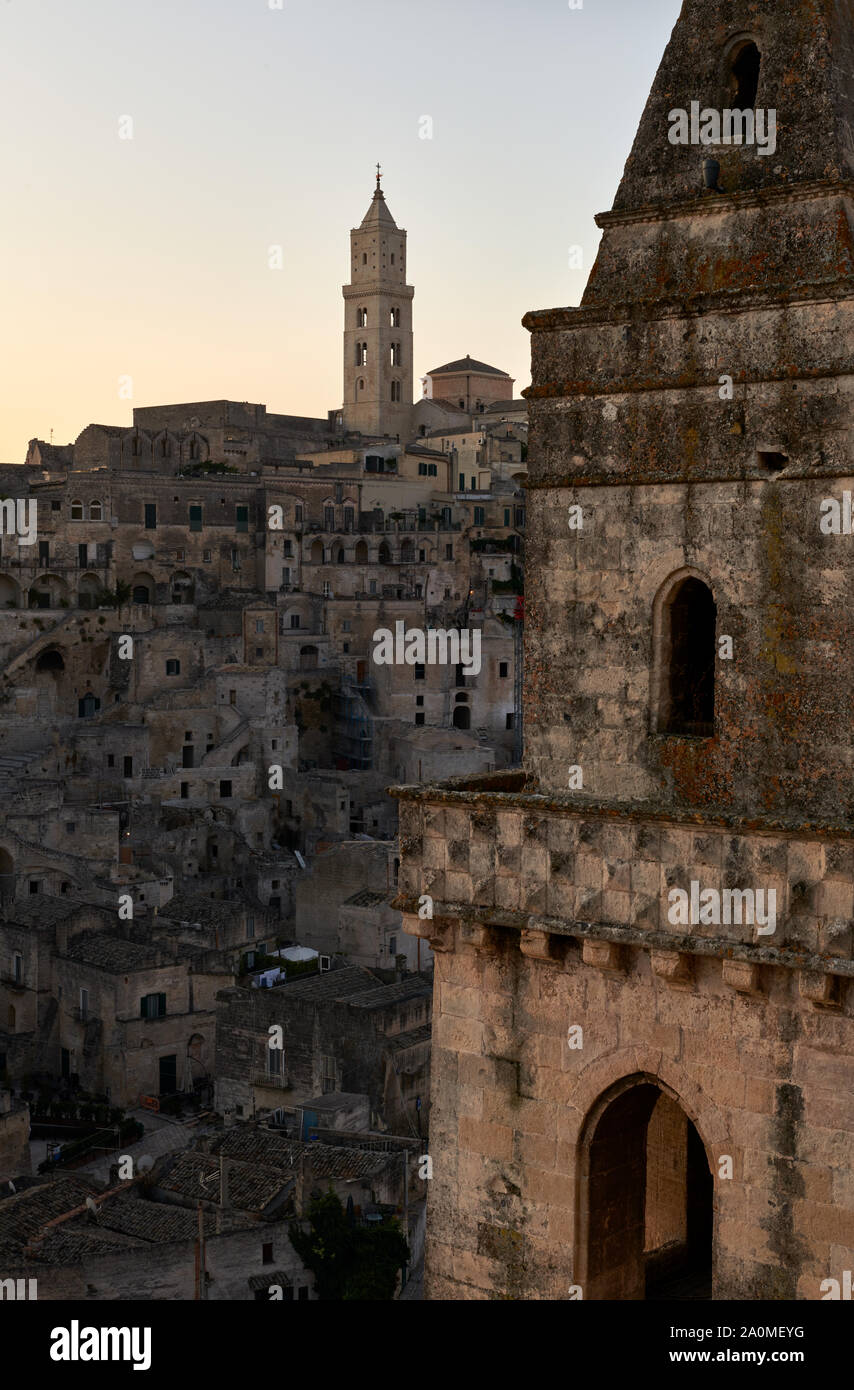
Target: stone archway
x,y
647,1197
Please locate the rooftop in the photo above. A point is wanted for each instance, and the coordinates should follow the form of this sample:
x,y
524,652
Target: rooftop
x,y
468,364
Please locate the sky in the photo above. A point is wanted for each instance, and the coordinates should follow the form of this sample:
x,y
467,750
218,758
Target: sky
x,y
153,151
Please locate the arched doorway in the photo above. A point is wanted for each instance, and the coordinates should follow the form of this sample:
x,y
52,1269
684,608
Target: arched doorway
x,y
647,1198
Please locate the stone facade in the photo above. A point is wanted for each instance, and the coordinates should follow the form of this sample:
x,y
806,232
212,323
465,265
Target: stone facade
x,y
624,1092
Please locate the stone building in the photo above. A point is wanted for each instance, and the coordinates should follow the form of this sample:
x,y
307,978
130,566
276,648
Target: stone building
x,y
644,1012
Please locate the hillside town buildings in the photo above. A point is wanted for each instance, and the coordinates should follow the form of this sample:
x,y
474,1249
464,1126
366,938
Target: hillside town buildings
x,y
196,841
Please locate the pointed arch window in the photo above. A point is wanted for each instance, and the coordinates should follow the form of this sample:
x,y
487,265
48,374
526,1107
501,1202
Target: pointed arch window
x,y
394,318
745,63
362,318
95,512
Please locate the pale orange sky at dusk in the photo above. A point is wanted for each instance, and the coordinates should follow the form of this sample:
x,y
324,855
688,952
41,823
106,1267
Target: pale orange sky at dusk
x,y
253,127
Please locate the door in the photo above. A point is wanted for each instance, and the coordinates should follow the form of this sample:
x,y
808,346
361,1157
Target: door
x,y
168,1075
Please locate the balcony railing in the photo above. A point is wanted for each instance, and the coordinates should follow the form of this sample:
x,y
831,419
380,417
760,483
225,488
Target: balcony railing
x,y
265,1078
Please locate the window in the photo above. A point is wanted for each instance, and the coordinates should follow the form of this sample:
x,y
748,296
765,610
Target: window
x,y
185,791
207,556
462,486
395,390
349,518
76,511
152,1006
95,511
294,620
392,945
242,523
259,624
195,517
419,719
287,550
685,651
480,516
250,927
127,767
509,721
506,516
419,673
394,318
84,1004
346,625
503,670
744,77
111,760
419,700
267,1252
297,518
232,697
179,554
71,827
56,506
449,552
329,518
173,667
519,517
44,552
225,790
394,355
17,968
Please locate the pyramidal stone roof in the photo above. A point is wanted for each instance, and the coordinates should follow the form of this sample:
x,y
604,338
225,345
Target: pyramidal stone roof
x,y
468,364
378,214
806,57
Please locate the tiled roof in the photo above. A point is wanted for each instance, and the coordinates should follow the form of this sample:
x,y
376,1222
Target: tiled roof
x,y
111,952
332,984
268,1150
468,364
365,897
23,1214
70,1244
250,1187
414,1037
384,995
157,1222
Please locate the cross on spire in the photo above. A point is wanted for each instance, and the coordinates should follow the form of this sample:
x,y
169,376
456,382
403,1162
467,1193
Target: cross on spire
x,y
379,175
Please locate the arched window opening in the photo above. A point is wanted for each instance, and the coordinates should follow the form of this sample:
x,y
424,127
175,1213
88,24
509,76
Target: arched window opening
x,y
384,556
744,76
95,511
462,717
394,318
50,661
308,658
461,698
687,653
395,390
361,556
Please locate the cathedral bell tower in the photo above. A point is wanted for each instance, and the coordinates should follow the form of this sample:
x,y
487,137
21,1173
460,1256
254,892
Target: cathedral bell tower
x,y
378,327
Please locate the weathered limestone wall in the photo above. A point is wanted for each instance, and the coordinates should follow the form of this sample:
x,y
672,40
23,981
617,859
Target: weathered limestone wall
x,y
765,1076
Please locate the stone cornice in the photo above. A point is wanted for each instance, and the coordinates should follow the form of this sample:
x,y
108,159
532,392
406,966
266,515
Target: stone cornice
x,y
722,203
649,940
454,794
652,311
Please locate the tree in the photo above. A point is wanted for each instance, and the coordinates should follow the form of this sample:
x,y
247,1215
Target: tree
x,y
349,1263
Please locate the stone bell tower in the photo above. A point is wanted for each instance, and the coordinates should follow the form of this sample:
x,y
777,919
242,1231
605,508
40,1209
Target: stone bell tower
x,y
378,327
644,1012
